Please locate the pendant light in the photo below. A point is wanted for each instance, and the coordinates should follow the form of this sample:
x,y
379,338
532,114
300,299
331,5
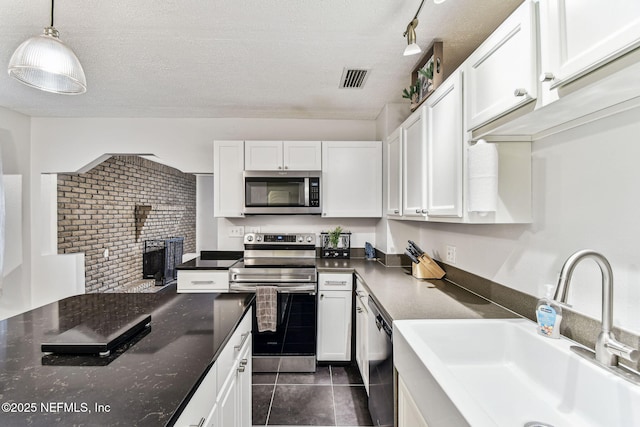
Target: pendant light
x,y
44,62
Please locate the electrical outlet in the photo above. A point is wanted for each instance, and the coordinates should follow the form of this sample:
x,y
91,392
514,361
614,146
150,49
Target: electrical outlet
x,y
106,253
253,229
451,254
237,231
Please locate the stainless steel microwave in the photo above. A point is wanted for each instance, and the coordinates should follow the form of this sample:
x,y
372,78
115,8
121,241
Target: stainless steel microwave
x,y
282,192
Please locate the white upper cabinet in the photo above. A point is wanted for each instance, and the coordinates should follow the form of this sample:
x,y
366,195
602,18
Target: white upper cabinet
x,y
444,149
581,35
263,155
302,155
228,191
352,179
283,155
500,76
394,174
414,164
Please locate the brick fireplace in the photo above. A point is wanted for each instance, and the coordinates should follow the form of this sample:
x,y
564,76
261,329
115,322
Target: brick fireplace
x,y
109,212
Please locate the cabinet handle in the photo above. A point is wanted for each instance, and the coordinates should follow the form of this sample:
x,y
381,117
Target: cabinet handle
x,y
520,92
203,282
200,424
546,77
241,369
424,211
279,167
358,309
396,211
244,338
286,167
321,296
336,283
244,362
417,210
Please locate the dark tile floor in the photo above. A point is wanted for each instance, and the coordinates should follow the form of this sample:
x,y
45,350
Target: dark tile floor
x,y
332,396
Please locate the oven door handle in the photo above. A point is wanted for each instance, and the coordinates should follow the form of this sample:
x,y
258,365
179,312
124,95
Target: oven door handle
x,y
244,278
301,289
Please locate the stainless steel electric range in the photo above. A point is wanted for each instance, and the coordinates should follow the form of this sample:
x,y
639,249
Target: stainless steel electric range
x,y
287,262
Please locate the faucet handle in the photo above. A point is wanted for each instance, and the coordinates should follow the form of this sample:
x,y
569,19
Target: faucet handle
x,y
622,350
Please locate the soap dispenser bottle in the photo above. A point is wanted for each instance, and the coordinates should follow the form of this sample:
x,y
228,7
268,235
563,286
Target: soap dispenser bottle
x,y
549,315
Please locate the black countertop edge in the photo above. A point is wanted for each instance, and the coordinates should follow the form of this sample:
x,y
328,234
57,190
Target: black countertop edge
x,y
208,264
187,398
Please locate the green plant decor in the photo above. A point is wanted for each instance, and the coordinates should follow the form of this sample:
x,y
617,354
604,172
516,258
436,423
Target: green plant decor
x,y
427,71
412,91
334,236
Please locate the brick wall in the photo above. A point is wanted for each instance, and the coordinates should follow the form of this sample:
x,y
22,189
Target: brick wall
x,y
97,211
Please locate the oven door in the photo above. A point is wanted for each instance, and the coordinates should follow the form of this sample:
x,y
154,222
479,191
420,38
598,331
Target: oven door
x,y
292,347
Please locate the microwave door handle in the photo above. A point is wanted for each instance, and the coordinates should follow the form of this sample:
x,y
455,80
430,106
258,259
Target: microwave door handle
x,y
306,192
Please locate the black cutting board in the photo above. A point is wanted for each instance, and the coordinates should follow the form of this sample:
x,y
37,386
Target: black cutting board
x,y
83,339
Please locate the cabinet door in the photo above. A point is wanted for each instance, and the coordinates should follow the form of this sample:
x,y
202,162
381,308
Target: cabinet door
x,y
500,75
408,413
334,326
228,191
581,35
302,155
352,179
394,174
263,155
228,403
444,149
244,386
414,164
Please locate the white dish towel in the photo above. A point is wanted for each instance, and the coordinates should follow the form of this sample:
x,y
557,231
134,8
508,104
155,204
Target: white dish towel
x,y
266,308
483,177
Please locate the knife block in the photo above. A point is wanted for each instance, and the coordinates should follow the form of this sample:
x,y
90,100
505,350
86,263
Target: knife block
x,y
426,269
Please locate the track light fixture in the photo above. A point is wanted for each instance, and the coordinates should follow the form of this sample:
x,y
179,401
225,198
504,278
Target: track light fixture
x,y
44,62
412,47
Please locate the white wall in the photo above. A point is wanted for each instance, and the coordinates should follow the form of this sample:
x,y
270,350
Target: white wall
x,y
586,194
185,144
14,154
362,229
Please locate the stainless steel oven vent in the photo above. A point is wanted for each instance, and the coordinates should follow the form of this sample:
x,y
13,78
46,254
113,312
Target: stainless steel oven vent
x,y
353,78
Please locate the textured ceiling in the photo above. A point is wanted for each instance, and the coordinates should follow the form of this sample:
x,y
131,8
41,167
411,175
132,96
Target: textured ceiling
x,y
237,58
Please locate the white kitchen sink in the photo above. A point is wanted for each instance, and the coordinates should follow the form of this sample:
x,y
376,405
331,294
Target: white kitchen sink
x,y
502,373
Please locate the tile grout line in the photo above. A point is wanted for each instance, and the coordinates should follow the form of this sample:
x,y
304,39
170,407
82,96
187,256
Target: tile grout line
x,y
333,397
273,394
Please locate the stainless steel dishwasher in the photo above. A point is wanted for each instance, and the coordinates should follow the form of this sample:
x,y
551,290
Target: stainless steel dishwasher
x,y
381,396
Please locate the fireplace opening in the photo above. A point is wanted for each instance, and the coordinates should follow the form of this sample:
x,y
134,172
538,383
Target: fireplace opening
x,y
160,258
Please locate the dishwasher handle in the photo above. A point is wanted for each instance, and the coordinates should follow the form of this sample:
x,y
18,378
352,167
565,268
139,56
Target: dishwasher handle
x,y
383,325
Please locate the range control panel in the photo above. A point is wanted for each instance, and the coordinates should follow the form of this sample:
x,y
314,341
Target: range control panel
x,y
274,238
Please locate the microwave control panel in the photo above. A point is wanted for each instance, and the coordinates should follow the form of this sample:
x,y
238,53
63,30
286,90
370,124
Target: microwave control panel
x,y
314,192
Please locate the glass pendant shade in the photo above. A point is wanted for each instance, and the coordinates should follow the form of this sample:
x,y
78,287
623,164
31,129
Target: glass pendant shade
x,y
45,63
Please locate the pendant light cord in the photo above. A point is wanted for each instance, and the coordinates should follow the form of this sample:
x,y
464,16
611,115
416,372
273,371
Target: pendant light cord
x,y
52,12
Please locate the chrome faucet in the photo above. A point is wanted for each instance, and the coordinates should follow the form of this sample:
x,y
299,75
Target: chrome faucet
x,y
608,349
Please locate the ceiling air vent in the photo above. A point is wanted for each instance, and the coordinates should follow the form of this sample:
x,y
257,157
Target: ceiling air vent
x,y
353,78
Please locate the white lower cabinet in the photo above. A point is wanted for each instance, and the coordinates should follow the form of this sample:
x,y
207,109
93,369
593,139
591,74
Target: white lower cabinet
x,y
223,398
408,413
362,332
195,281
334,316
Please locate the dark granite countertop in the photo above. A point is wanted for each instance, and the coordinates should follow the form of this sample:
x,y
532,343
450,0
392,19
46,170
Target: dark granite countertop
x,y
146,382
212,260
402,296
